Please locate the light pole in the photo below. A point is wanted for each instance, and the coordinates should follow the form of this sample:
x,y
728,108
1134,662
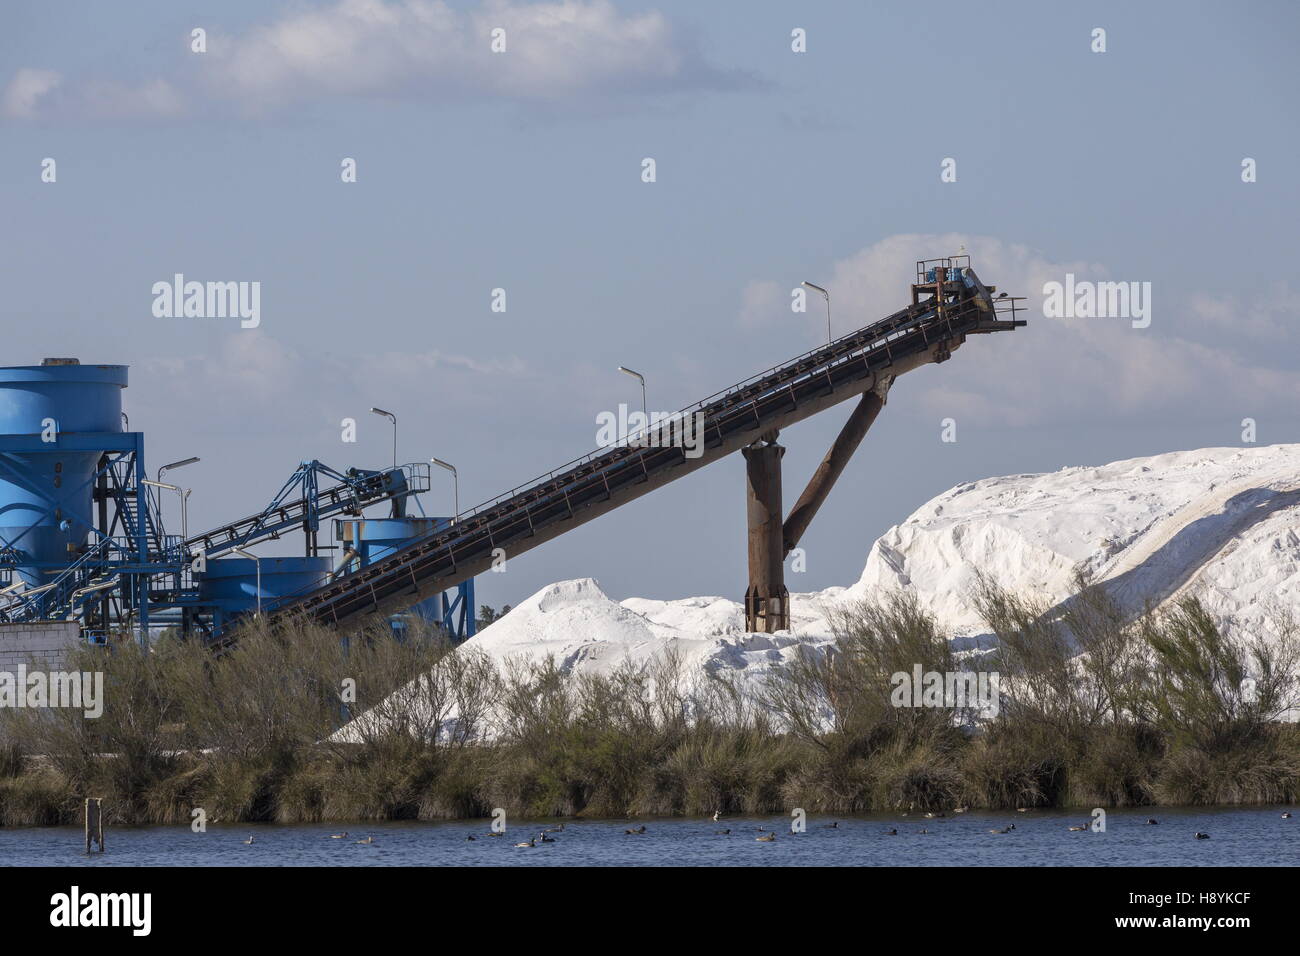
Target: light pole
x,y
455,484
257,561
184,494
392,418
645,413
176,464
159,483
827,296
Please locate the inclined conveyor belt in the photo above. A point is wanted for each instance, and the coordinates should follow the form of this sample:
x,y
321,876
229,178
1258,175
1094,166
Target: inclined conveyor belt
x,y
519,520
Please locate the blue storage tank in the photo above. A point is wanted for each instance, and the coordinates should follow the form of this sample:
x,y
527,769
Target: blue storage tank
x,y
230,584
374,539
46,492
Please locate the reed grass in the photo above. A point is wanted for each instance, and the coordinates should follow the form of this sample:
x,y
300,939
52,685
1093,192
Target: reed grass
x,y
1099,707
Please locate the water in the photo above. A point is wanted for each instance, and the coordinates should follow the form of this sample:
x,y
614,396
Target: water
x,y
1250,837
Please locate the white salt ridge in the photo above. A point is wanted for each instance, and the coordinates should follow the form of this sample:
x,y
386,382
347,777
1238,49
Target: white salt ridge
x,y
578,626
1222,524
1219,523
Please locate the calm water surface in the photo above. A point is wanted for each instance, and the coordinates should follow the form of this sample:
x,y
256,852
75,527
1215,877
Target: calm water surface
x,y
1253,837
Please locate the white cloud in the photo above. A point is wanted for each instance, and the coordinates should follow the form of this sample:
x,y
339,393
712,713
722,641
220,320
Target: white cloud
x,y
255,374
424,48
406,49
1268,316
247,370
24,91
110,99
1056,370
32,94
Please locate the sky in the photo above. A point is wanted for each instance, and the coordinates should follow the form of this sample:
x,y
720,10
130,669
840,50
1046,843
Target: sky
x,y
523,171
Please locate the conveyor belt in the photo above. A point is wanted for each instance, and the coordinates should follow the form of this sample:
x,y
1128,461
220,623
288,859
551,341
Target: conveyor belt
x,y
349,494
574,494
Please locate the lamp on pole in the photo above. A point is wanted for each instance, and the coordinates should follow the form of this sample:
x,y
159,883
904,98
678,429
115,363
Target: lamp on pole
x,y
455,483
176,464
392,418
258,562
184,494
159,483
827,296
645,413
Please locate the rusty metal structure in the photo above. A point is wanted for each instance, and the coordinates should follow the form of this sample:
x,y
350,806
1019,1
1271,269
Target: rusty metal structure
x,y
948,304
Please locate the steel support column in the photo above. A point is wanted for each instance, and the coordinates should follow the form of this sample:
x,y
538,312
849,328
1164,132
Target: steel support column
x,y
767,602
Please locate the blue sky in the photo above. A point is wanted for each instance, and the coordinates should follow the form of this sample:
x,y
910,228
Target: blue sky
x,y
522,171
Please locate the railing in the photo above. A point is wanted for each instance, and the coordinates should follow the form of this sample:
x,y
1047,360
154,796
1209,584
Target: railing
x,y
106,558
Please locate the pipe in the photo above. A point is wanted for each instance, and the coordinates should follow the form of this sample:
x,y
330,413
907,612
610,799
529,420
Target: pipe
x,y
344,560
88,589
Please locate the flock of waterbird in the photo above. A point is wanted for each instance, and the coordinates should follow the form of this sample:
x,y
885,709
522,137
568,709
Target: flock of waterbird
x,y
764,834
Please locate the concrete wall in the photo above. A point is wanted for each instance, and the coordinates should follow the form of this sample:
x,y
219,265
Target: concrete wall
x,y
45,641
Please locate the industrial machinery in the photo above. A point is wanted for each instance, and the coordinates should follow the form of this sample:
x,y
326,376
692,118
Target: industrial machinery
x,y
949,303
81,537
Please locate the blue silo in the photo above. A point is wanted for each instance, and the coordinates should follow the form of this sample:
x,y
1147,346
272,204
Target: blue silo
x,y
374,539
51,415
367,540
230,585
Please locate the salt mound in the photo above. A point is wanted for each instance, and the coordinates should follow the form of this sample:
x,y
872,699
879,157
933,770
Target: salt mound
x,y
1222,524
1219,523
579,627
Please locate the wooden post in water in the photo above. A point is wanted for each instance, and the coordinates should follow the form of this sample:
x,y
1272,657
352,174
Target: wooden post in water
x,y
94,823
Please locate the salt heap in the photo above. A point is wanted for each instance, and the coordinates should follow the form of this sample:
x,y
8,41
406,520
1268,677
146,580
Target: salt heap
x,y
1222,524
577,625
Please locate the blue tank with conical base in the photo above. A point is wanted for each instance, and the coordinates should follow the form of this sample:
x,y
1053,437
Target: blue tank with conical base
x,y
46,491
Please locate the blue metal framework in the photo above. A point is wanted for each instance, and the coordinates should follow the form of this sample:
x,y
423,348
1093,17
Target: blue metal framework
x,y
302,503
115,566
132,576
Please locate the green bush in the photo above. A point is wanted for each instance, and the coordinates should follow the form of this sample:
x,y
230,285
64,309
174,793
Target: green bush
x,y
1099,707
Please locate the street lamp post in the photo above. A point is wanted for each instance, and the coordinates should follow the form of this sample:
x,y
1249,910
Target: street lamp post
x,y
827,296
392,418
455,483
184,494
645,412
176,464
